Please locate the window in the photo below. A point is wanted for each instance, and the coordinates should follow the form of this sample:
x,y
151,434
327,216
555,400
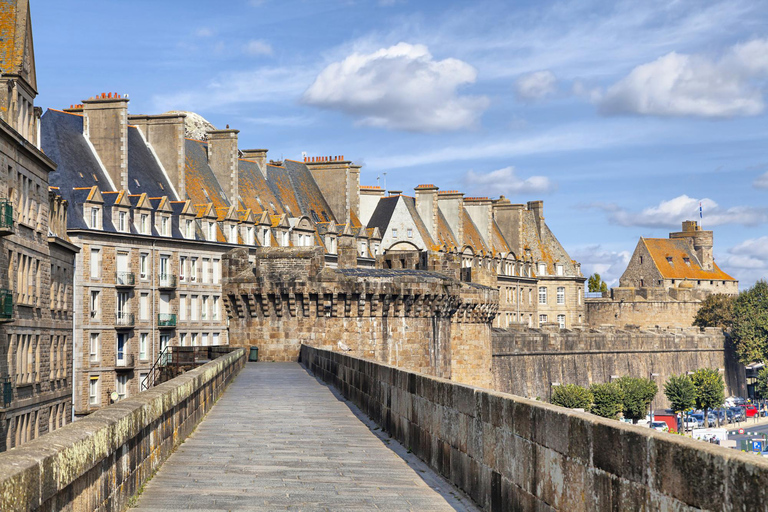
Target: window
x,y
121,386
215,310
206,270
232,234
265,238
93,391
211,231
95,304
215,339
542,269
195,308
182,307
216,271
165,340
165,267
183,341
95,217
182,268
143,381
94,347
143,346
559,270
122,305
144,306
687,261
95,263
542,320
193,270
190,230
144,224
542,294
144,265
122,341
204,314
286,240
194,339
561,295
164,226
122,225
205,339
249,237
561,321
641,260
394,233
409,232
669,259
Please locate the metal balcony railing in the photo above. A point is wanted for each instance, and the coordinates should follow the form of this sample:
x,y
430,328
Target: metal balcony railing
x,y
6,305
166,281
124,320
124,279
6,217
166,320
126,361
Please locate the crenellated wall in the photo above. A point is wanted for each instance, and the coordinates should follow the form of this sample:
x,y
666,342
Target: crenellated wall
x,y
527,361
420,320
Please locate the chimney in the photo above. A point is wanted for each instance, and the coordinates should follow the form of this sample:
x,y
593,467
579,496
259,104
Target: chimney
x,y
369,199
222,157
165,135
537,207
426,205
339,182
451,203
259,156
480,210
105,124
701,242
509,218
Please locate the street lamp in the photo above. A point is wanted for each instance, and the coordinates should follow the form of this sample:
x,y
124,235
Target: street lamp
x,y
552,385
651,378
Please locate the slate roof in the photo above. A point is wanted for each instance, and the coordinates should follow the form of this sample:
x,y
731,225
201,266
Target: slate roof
x,y
679,249
472,236
445,236
410,203
545,248
200,182
383,213
144,172
14,24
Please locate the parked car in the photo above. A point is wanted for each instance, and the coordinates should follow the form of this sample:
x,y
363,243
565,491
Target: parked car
x,y
749,410
661,426
738,413
689,423
698,417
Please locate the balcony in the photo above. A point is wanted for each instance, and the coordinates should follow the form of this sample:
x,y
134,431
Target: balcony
x,y
166,320
126,362
6,305
125,279
166,281
6,217
124,321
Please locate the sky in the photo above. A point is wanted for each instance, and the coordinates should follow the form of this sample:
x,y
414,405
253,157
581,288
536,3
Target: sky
x,y
623,117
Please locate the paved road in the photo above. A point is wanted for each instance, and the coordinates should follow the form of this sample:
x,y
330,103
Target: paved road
x,y
280,440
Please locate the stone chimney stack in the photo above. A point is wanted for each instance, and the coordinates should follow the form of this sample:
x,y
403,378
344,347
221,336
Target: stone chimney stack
x,y
537,207
451,203
259,156
701,241
509,218
339,181
369,200
426,205
480,210
165,134
222,157
105,124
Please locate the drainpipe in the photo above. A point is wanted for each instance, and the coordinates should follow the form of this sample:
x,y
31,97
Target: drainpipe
x,y
154,298
75,296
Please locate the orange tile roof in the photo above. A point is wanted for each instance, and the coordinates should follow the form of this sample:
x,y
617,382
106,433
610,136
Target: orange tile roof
x,y
678,250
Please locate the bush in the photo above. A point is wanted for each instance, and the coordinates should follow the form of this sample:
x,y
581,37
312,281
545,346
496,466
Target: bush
x,y
572,396
607,400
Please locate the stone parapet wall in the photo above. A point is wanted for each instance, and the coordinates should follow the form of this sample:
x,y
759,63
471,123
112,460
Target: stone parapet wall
x,y
99,462
642,312
510,453
526,362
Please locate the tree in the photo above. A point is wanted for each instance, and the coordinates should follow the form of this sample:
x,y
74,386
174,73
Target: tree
x,y
716,311
596,284
710,389
750,324
761,385
680,392
572,396
637,395
607,400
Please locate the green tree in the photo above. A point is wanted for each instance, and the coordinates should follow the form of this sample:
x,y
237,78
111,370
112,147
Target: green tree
x,y
710,389
680,392
750,324
607,399
637,395
716,311
761,385
572,396
596,284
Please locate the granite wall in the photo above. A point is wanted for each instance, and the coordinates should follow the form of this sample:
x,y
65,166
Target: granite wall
x,y
511,453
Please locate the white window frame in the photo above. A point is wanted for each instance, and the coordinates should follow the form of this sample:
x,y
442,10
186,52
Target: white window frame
x,y
542,294
143,346
93,390
561,321
94,346
144,265
561,295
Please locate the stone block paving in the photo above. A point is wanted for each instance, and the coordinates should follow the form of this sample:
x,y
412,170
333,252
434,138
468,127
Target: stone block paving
x,y
278,439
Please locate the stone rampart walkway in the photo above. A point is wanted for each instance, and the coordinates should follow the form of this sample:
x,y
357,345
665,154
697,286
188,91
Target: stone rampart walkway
x,y
280,440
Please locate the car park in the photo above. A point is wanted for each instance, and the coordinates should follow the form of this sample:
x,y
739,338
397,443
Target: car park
x,y
749,410
661,426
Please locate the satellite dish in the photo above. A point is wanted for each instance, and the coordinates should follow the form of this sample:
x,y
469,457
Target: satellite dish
x,y
114,396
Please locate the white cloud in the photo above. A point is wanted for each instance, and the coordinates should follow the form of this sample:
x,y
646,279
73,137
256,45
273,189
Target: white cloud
x,y
595,258
506,181
258,47
401,87
694,85
747,261
761,181
204,32
670,213
536,86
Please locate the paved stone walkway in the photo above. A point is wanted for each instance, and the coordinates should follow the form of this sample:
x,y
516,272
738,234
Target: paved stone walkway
x,y
278,439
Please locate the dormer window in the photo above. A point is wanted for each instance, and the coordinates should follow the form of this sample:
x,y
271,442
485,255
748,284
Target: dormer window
x,y
189,229
559,270
232,234
687,261
95,218
669,260
542,269
164,226
211,231
265,238
375,249
285,239
122,222
144,224
249,237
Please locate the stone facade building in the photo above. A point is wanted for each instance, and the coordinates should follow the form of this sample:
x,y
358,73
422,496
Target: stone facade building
x,y
36,256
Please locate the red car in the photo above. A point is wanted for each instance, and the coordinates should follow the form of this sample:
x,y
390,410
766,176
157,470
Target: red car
x,y
750,411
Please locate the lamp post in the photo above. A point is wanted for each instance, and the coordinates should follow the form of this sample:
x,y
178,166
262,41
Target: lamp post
x,y
652,377
552,385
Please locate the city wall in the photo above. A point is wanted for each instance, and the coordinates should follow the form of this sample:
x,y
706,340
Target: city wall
x,y
644,307
419,320
99,462
512,453
527,362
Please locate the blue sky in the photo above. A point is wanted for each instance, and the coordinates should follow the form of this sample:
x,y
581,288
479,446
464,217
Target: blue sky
x,y
621,116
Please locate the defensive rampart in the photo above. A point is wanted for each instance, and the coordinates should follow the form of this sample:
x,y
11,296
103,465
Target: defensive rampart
x,y
99,462
527,362
511,453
